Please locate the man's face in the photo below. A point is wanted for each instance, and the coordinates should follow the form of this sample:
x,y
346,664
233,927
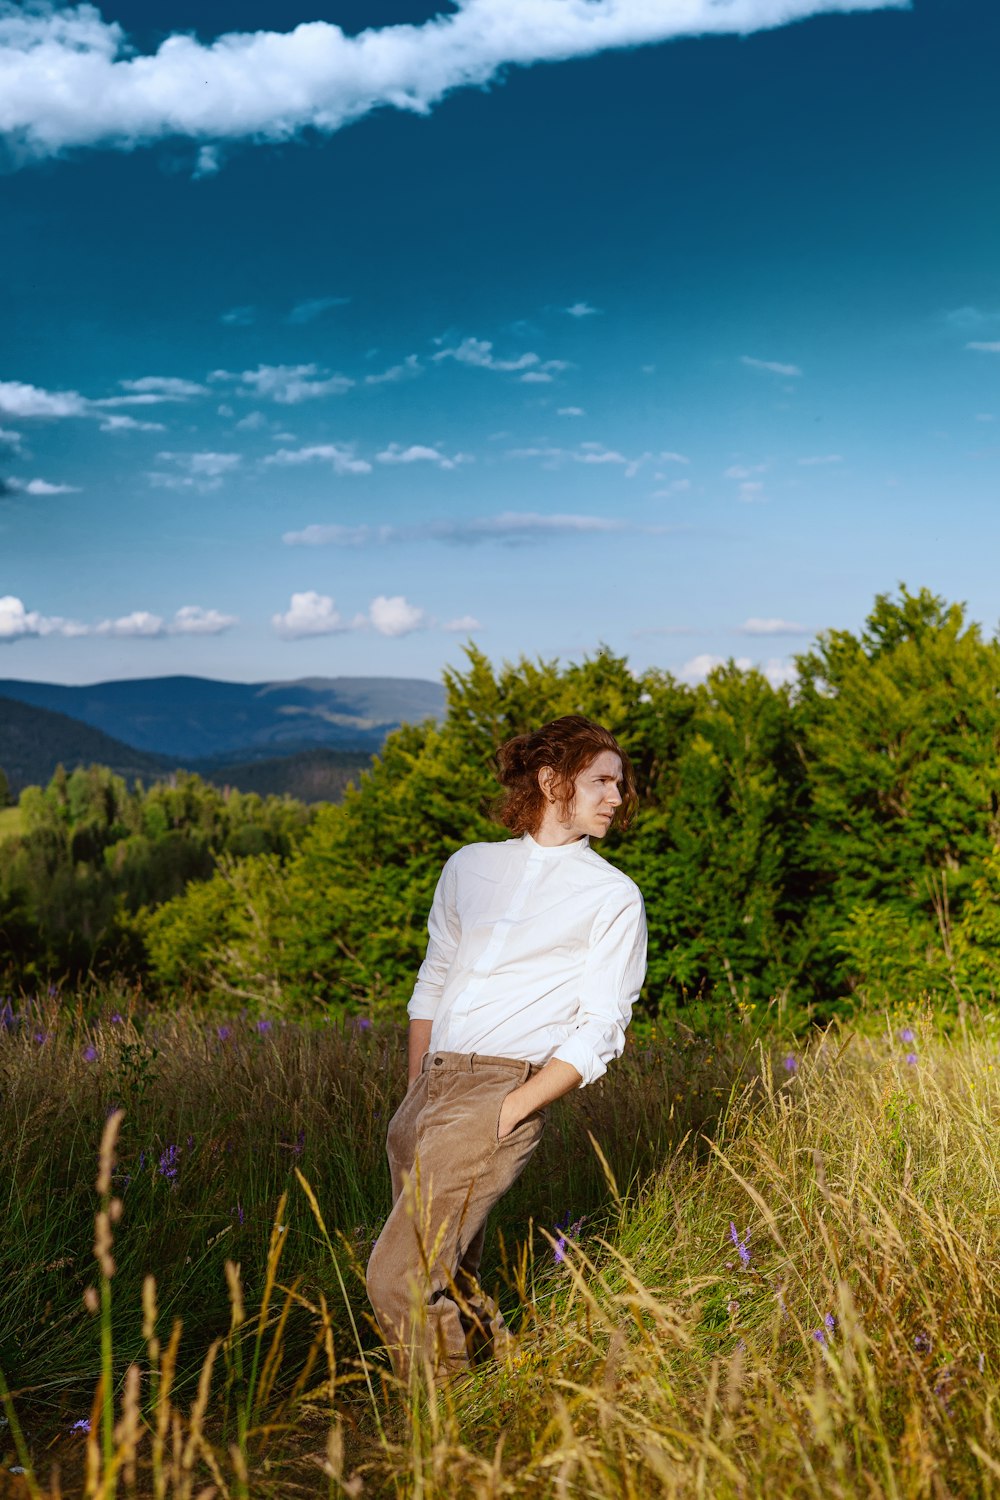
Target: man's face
x,y
596,794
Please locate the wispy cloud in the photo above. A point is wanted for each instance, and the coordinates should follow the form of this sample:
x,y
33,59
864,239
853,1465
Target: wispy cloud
x,y
986,347
121,422
19,623
43,487
571,411
20,400
479,353
166,387
314,307
340,457
512,527
821,458
198,471
410,367
287,384
11,439
771,365
755,626
582,310
417,453
464,623
239,317
69,78
552,457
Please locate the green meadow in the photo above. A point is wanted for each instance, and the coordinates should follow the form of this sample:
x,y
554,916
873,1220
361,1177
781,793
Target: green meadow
x,y
733,1269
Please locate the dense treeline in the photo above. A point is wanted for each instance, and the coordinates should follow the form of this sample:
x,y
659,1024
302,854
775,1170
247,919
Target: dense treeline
x,y
93,853
804,843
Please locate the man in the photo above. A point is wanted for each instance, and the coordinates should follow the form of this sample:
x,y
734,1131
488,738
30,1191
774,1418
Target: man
x,y
536,954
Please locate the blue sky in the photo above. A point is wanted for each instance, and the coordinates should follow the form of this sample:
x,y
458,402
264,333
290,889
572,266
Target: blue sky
x,y
543,323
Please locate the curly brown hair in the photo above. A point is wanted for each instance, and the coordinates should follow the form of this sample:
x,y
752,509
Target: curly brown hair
x,y
568,745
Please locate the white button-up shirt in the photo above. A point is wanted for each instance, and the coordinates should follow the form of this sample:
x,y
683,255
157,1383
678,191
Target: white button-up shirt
x,y
535,952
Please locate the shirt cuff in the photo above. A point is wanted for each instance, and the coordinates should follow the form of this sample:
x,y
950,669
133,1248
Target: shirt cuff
x,y
421,1008
576,1052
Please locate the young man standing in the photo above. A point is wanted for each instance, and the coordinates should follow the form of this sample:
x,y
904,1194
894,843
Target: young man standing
x,y
536,954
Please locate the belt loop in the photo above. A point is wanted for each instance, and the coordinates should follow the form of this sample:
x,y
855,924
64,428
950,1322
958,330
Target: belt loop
x,y
526,1072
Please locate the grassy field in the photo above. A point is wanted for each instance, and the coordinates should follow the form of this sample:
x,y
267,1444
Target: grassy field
x,y
10,822
733,1270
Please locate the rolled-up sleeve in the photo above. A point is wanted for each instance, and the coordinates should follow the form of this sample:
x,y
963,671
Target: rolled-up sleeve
x,y
444,931
612,978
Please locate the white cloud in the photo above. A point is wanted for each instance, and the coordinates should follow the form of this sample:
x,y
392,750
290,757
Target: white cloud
x,y
512,527
463,623
315,307
479,353
10,439
755,626
410,367
119,422
571,411
821,458
191,619
252,422
771,365
418,453
582,310
536,377
340,457
992,347
309,614
70,78
981,416
287,384
750,489
17,623
775,670
675,487
673,458
139,623
395,616
17,399
43,487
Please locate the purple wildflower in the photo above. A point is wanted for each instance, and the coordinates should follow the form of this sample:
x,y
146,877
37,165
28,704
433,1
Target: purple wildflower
x,y
911,1058
830,1322
83,1425
263,1026
168,1161
907,1034
559,1253
116,1018
41,1037
237,1213
819,1334
8,1020
791,1063
89,1053
742,1245
922,1343
362,1023
223,1033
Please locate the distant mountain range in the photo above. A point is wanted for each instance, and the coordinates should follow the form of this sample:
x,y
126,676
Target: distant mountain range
x,y
192,718
305,738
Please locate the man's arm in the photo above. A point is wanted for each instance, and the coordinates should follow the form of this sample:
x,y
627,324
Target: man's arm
x,y
551,1082
420,1041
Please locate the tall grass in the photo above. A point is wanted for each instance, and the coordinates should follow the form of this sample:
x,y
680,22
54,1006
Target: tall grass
x,y
731,1273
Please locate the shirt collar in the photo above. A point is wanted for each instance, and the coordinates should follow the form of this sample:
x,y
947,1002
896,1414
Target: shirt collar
x,y
553,851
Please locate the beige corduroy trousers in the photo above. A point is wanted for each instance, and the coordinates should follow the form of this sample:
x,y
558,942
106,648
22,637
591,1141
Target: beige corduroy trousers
x,y
448,1169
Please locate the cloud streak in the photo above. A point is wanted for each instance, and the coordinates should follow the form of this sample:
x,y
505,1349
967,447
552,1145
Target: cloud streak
x,y
68,78
511,527
20,623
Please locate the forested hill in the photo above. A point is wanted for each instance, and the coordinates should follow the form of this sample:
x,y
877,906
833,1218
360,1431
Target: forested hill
x,y
33,741
189,719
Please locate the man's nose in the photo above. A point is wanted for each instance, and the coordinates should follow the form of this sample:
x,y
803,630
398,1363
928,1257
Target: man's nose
x,y
615,797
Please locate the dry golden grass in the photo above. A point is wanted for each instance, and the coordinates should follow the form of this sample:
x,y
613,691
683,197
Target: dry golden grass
x,y
801,1300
